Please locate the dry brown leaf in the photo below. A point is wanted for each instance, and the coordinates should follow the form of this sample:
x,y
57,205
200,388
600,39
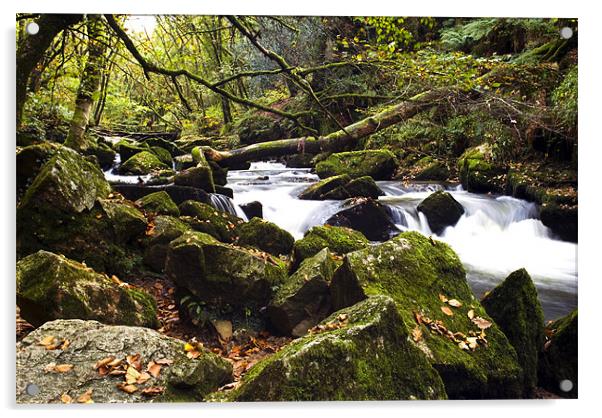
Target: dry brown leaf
x,y
418,318
153,391
63,368
86,397
154,369
127,388
48,340
442,298
132,375
103,362
482,323
144,377
454,302
472,342
134,361
416,334
164,361
115,363
447,311
65,345
463,345
470,314
65,398
194,354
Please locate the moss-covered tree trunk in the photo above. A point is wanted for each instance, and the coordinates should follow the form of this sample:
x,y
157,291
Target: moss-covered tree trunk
x,y
89,84
31,49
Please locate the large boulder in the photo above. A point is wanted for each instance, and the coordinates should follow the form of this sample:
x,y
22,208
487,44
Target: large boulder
x,y
303,300
30,161
253,209
199,176
142,163
429,169
164,230
342,187
222,274
178,194
428,283
515,308
86,345
127,149
363,352
127,221
378,164
368,216
265,235
51,286
479,173
205,218
558,365
158,203
441,210
338,239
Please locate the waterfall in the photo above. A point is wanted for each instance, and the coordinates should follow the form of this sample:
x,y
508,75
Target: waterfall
x,y
225,204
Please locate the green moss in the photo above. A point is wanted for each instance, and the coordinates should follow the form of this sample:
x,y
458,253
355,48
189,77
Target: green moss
x,y
127,221
200,177
477,171
317,190
414,270
378,164
207,219
127,149
158,203
166,229
339,240
142,163
163,155
265,235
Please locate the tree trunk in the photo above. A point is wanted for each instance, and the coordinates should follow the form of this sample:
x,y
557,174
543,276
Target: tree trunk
x,y
31,49
88,86
335,142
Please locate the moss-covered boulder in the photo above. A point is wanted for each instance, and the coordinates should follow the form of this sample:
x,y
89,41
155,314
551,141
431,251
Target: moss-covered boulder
x,y
222,274
515,308
158,203
299,161
265,235
30,161
338,239
429,169
127,149
51,286
253,209
303,300
558,362
256,127
317,190
205,218
428,283
180,378
164,230
342,187
128,222
363,352
378,164
142,163
368,216
441,210
163,155
479,173
182,162
199,177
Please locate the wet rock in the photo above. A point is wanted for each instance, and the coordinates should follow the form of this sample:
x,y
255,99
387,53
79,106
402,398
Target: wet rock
x,y
142,163
220,174
222,274
378,164
430,169
562,219
104,154
163,155
359,187
163,143
158,203
420,274
364,352
198,177
267,236
252,209
127,221
317,190
226,191
182,162
558,360
165,230
478,172
441,210
178,194
205,218
51,286
127,149
339,240
303,300
183,379
367,216
515,308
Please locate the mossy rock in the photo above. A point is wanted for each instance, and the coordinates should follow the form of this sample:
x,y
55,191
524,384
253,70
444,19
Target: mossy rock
x,y
127,149
222,274
415,270
30,135
220,174
429,169
558,360
187,142
30,160
378,164
165,229
142,163
205,218
300,161
127,221
515,308
199,177
303,300
183,380
339,240
158,203
169,146
478,172
342,187
317,190
182,162
441,210
265,235
255,127
104,154
163,155
364,353
51,286
368,216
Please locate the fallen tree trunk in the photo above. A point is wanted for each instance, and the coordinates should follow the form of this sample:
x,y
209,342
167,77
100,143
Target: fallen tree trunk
x,y
335,142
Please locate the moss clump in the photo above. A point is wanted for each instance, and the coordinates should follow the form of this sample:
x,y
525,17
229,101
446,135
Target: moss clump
x,y
303,300
256,127
222,274
441,210
127,221
265,235
165,229
342,187
30,161
207,219
559,359
163,155
378,164
142,163
477,171
429,169
50,286
200,177
367,355
317,190
158,203
127,149
339,240
516,310
414,270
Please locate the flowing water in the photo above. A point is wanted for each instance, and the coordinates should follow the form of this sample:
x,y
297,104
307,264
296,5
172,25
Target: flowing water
x,y
495,236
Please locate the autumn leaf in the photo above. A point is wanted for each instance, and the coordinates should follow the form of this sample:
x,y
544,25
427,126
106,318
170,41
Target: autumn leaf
x,y
454,302
154,369
134,361
447,311
153,391
144,377
416,334
132,375
224,330
470,314
442,298
127,388
86,397
48,340
63,368
164,362
463,345
65,398
103,362
481,322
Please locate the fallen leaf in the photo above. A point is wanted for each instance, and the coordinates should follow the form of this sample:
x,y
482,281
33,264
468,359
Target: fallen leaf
x,y
65,398
416,334
194,354
164,361
442,298
63,368
127,388
188,347
454,302
418,317
470,314
463,345
447,311
472,342
132,375
86,397
154,369
144,377
48,340
134,361
103,362
153,391
65,345
482,323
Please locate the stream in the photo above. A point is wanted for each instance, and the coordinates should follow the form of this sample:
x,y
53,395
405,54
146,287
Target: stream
x,y
495,236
